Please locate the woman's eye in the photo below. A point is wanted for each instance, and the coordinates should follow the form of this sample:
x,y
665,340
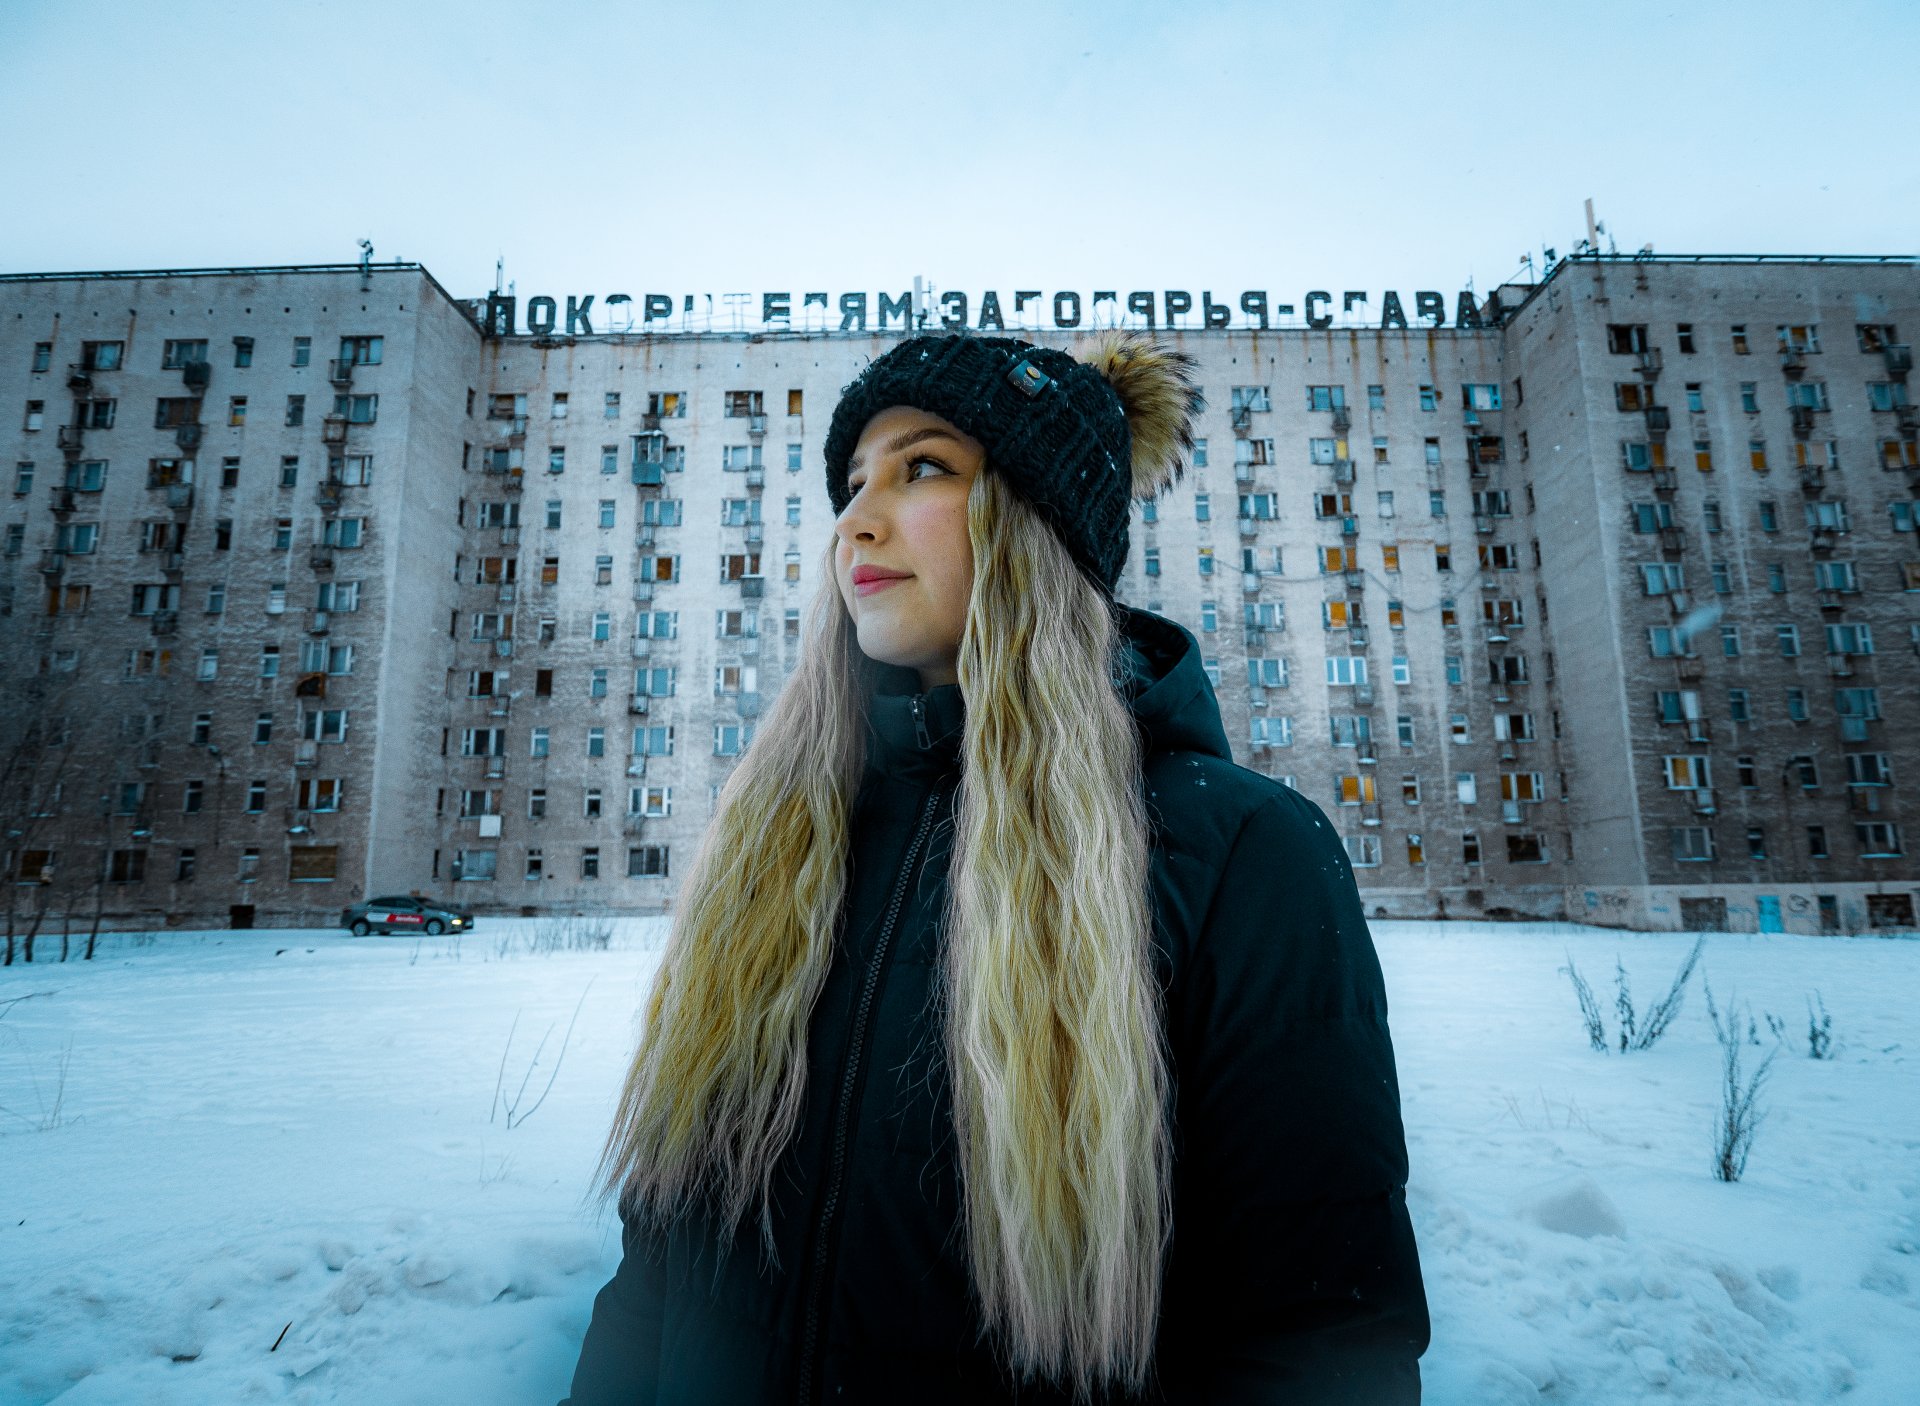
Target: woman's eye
x,y
926,463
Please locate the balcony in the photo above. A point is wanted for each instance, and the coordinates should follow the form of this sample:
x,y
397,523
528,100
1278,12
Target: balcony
x,y
1249,527
1690,668
1512,813
643,590
1343,471
503,647
1831,601
1899,361
166,622
174,563
318,623
757,426
62,499
639,705
79,377
634,824
1241,417
642,647
757,476
70,438
1350,527
1665,483
1482,522
753,587
340,372
320,559
180,497
1648,363
637,765
506,593
1813,480
1370,813
1673,542
306,753
1703,801
1250,582
1357,636
1342,419
754,535
1363,695
1354,580
1802,418
52,563
496,767
1793,363
333,429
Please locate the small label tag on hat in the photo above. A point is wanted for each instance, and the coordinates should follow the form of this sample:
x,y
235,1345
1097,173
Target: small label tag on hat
x,y
1028,379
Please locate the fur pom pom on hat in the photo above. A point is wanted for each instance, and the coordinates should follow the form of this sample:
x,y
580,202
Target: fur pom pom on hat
x,y
1077,434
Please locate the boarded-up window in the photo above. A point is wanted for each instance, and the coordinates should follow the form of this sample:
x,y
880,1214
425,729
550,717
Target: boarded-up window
x,y
312,863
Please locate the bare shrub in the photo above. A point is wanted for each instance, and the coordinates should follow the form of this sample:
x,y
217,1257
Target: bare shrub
x,y
1819,1030
1637,1030
1589,1008
511,1105
576,933
1740,1114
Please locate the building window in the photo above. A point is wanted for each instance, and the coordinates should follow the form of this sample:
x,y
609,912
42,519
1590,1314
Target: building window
x,y
1691,844
1878,839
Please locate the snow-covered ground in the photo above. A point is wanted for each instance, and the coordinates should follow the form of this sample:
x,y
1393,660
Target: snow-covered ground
x,y
210,1140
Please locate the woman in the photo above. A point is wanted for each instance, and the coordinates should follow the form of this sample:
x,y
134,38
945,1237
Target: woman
x,y
1012,1043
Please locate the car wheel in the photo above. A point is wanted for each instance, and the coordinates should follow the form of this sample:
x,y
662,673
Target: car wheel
x,y
360,928
435,927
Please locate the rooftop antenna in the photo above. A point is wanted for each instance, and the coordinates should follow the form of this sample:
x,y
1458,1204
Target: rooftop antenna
x,y
1593,232
499,272
366,264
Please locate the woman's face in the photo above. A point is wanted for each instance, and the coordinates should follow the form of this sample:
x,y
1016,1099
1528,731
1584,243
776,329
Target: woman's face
x,y
907,521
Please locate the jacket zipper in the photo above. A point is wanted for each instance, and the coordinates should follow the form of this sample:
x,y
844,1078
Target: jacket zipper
x,y
817,1287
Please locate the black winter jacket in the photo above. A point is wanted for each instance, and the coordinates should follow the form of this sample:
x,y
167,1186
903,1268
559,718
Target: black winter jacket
x,y
1292,1274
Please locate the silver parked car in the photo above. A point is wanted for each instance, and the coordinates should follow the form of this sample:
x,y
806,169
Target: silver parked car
x,y
405,913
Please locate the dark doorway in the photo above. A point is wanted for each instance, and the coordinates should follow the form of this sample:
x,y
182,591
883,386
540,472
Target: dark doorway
x,y
240,915
1703,914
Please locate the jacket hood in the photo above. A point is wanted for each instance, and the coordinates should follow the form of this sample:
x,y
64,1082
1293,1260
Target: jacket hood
x,y
916,733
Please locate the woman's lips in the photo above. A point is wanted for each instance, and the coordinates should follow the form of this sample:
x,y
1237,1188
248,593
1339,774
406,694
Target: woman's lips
x,y
867,588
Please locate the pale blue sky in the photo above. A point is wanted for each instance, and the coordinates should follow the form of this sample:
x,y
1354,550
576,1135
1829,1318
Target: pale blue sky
x,y
844,146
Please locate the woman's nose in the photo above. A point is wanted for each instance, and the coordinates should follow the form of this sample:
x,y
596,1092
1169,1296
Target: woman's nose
x,y
859,520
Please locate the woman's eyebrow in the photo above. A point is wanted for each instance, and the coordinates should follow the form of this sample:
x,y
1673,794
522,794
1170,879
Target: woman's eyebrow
x,y
906,439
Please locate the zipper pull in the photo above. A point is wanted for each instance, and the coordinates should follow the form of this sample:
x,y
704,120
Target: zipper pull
x,y
920,721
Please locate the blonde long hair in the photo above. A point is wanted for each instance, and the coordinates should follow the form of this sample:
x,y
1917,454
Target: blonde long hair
x,y
1053,1031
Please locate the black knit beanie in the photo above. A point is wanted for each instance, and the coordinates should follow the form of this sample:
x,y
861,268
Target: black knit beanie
x,y
1074,434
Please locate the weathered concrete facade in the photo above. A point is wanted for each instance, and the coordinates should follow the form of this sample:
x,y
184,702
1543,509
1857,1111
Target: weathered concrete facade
x,y
1418,560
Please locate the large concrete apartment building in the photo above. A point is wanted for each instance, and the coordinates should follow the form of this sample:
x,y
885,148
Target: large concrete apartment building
x,y
1596,599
